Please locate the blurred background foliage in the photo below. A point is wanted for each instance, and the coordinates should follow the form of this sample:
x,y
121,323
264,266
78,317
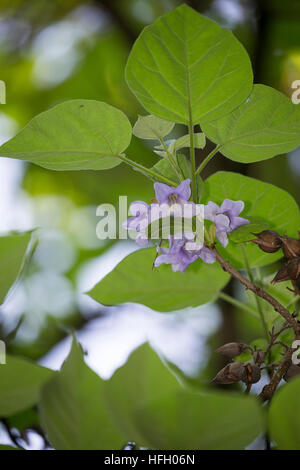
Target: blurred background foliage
x,y
55,50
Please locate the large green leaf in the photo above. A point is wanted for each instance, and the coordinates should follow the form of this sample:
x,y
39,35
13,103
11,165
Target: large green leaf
x,y
264,202
12,251
184,67
153,408
74,135
267,124
284,416
73,411
21,382
134,280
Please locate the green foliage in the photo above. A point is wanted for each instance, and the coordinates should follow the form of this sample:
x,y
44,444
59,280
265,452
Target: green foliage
x,y
21,383
284,416
246,233
159,289
265,202
265,125
12,252
72,410
74,135
152,407
185,68
151,127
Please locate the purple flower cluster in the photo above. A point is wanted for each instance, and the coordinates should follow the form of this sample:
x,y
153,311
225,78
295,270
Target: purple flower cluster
x,y
184,251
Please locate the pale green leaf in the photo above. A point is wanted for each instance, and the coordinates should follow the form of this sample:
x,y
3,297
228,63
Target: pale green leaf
x,y
73,411
267,124
284,416
21,382
154,409
74,135
184,67
269,204
151,127
134,280
184,141
12,253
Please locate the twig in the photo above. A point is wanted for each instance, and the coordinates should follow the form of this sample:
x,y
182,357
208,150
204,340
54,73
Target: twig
x,y
269,390
278,307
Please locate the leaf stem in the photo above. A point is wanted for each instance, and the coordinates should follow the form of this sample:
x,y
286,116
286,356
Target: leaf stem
x,y
193,160
237,303
146,170
207,159
170,158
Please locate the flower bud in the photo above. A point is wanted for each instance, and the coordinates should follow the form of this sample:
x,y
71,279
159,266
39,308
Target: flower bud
x,y
293,269
290,247
232,349
268,241
292,372
233,372
253,374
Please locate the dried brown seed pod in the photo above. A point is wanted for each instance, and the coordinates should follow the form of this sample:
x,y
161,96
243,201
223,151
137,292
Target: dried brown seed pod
x,y
233,372
282,275
290,247
258,356
293,269
232,349
268,241
292,372
253,374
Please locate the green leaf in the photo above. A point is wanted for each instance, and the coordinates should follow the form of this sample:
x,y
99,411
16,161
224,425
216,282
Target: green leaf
x,y
267,124
134,280
151,127
21,383
185,68
72,408
284,416
74,135
152,407
12,252
164,168
263,201
184,141
245,232
3,447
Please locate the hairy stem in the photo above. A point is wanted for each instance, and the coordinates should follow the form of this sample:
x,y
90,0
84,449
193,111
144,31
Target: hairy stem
x,y
269,390
258,291
193,161
207,159
146,170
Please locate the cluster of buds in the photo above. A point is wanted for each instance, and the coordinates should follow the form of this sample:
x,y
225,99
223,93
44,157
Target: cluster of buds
x,y
239,371
270,241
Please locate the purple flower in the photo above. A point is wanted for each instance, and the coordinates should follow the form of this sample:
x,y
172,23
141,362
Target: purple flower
x,y
176,198
180,254
225,218
139,221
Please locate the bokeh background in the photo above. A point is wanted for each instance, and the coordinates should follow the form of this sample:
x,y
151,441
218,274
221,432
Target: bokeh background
x,y
55,50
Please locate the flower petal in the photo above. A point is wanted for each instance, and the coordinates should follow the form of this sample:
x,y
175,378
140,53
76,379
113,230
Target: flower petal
x,y
222,237
162,192
184,190
234,208
211,210
207,255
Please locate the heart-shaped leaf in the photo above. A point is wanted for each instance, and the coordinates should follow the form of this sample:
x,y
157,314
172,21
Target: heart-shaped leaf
x,y
185,68
159,289
267,124
284,416
74,135
12,252
267,203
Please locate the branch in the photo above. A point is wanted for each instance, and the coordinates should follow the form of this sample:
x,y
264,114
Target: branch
x,y
258,291
269,390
